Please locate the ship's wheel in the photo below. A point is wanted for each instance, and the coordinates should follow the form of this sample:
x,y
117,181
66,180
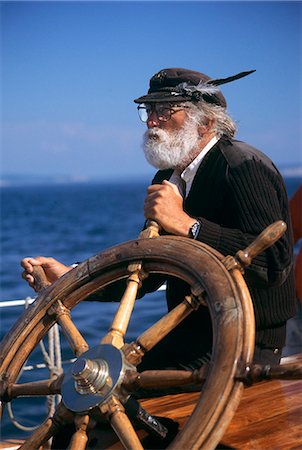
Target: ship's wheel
x,y
103,378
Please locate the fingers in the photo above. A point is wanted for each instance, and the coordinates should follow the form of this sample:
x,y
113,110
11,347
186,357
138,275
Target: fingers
x,y
166,188
156,202
154,192
28,265
28,278
53,268
44,261
151,201
29,262
164,204
172,186
158,187
162,195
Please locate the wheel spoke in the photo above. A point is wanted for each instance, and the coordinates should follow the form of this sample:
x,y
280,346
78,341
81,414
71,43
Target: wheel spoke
x,y
72,334
162,379
48,428
36,388
80,438
119,326
160,329
147,340
120,423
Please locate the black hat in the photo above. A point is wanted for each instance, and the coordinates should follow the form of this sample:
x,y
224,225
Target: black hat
x,y
183,85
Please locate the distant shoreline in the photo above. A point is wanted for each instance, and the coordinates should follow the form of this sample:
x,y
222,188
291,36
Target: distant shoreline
x,y
15,180
60,181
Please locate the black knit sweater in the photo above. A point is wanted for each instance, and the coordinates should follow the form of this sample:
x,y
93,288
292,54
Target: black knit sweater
x,y
236,193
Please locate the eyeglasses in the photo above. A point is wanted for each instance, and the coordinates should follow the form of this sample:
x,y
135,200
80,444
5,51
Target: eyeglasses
x,y
164,111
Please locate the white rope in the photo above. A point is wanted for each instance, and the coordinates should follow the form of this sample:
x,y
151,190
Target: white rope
x,y
51,402
58,352
53,361
16,423
43,366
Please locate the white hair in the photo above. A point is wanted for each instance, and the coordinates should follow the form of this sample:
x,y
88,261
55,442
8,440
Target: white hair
x,y
202,111
171,150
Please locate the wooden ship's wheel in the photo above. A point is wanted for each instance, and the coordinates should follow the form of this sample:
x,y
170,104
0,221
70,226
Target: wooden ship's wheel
x,y
102,379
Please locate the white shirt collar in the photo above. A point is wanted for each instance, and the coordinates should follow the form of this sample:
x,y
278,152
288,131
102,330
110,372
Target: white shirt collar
x,y
189,173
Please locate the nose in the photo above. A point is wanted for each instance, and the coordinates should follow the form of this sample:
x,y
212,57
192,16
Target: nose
x,y
152,121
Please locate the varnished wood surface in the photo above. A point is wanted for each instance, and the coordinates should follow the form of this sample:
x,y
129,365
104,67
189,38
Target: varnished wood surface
x,y
269,415
14,444
10,444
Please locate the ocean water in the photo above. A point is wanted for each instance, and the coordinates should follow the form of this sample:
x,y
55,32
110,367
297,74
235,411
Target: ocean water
x,y
71,223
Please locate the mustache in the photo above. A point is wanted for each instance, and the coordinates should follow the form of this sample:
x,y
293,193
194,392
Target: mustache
x,y
155,133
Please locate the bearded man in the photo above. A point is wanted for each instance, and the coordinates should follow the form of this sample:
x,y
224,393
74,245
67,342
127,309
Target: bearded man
x,y
215,189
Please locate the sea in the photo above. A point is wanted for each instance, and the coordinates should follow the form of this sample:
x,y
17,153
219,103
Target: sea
x,y
69,222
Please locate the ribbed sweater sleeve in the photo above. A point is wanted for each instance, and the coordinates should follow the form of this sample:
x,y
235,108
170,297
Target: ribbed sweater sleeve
x,y
235,203
258,198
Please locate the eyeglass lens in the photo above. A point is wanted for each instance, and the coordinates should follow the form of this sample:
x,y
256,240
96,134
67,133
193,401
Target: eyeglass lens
x,y
163,112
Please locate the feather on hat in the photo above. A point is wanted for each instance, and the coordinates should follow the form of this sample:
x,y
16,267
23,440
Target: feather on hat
x,y
183,85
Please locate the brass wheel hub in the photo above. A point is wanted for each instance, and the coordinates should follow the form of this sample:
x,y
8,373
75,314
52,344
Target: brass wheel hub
x,y
93,377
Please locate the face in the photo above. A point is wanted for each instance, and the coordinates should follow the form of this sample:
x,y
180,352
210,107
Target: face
x,y
171,144
166,116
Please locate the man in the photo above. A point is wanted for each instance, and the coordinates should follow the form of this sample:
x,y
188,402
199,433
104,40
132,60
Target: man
x,y
294,327
295,207
216,190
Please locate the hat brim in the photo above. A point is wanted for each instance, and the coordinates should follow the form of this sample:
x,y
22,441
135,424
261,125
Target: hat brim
x,y
157,97
161,97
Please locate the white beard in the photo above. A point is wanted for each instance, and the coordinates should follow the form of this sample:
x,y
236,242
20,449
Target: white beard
x,y
171,150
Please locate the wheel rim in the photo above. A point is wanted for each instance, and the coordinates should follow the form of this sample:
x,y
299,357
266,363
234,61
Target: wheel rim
x,y
201,267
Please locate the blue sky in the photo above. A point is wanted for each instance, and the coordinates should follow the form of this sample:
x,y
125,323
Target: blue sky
x,y
70,72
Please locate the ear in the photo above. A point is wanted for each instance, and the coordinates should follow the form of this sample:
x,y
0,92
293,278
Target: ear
x,y
206,128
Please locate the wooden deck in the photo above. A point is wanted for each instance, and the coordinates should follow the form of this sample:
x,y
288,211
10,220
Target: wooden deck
x,y
269,416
